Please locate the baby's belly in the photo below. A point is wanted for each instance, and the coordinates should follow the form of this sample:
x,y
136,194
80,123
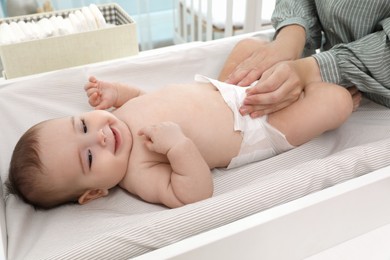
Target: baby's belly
x,y
202,114
219,153
212,128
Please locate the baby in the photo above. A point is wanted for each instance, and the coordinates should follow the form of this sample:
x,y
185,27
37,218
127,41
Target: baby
x,y
162,145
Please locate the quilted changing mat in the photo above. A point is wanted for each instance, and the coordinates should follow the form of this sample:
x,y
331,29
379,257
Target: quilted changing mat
x,y
121,226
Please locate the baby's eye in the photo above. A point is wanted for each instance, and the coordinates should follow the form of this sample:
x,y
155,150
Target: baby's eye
x,y
89,159
85,129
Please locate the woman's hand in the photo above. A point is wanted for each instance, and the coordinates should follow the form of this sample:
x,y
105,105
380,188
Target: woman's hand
x,y
277,88
101,95
251,57
263,56
280,86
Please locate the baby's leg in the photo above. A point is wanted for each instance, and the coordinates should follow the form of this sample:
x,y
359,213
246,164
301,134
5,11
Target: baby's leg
x,y
240,52
323,107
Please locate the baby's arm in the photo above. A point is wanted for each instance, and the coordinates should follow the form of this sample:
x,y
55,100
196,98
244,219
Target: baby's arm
x,y
187,179
103,95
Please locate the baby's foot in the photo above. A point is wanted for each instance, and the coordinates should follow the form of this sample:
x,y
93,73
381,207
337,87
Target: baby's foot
x,y
356,97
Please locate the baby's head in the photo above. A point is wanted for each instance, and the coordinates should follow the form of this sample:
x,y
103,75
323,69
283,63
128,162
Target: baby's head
x,y
71,159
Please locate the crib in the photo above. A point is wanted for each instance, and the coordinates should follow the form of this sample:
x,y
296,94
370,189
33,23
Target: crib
x,y
198,20
330,193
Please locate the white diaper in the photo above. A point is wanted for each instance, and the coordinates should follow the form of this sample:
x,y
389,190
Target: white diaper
x,y
260,139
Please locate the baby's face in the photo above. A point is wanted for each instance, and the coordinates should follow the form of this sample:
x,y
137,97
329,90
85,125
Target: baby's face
x,y
89,151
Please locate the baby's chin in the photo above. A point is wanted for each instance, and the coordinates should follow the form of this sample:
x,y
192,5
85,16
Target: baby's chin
x,y
124,137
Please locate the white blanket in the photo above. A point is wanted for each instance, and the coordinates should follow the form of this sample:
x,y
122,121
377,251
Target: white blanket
x,y
121,226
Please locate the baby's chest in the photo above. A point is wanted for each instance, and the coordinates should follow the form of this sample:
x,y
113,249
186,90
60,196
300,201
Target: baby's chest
x,y
140,161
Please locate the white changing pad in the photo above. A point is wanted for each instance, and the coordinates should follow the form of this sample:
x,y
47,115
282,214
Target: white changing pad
x,y
121,226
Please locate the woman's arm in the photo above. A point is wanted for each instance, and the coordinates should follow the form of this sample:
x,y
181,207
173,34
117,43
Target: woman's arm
x,y
364,63
301,13
296,26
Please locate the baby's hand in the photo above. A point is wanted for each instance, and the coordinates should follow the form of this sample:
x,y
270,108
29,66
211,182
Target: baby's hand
x,y
102,95
162,137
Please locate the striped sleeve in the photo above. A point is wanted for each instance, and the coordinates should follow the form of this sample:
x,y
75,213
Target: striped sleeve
x,y
364,63
301,12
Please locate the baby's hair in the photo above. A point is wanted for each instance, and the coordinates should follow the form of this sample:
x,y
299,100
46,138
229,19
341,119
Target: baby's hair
x,y
27,178
25,167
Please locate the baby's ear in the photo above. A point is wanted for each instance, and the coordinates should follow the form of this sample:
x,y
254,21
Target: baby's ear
x,y
92,195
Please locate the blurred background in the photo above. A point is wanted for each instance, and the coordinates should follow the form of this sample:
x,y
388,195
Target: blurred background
x,y
157,20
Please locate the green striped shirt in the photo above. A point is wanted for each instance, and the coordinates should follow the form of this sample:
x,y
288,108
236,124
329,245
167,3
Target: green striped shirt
x,y
355,49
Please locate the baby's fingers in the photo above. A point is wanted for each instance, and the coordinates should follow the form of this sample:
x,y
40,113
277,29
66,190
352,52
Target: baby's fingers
x,y
92,91
92,79
94,99
92,83
150,145
146,132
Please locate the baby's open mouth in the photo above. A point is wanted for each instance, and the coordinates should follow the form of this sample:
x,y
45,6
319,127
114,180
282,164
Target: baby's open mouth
x,y
116,139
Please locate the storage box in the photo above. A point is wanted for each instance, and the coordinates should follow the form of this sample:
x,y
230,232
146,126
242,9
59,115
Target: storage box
x,y
58,52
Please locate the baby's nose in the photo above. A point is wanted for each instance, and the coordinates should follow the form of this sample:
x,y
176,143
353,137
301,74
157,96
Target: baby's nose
x,y
102,137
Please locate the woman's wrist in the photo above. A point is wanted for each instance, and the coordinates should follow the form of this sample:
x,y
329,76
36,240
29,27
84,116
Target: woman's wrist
x,y
291,40
308,70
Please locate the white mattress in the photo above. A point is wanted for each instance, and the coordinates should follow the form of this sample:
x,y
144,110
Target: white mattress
x,y
121,226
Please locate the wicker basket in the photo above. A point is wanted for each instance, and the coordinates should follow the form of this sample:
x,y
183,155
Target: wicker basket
x,y
58,52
